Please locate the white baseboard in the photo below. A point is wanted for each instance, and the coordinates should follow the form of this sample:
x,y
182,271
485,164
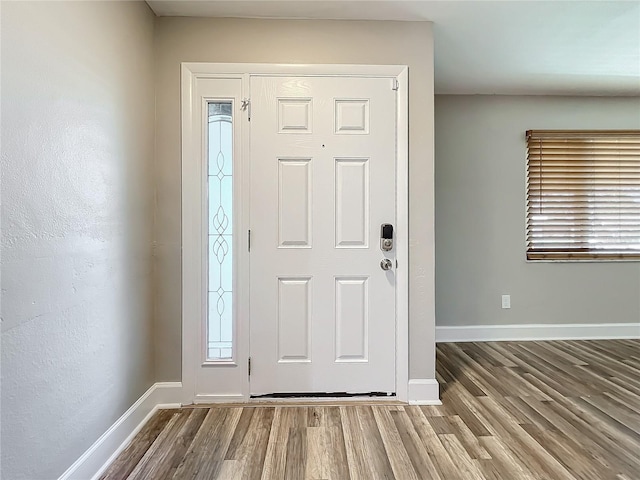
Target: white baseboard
x,y
424,391
99,456
496,333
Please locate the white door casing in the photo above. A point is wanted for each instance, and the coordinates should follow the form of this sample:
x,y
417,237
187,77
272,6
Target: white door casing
x,y
322,182
228,381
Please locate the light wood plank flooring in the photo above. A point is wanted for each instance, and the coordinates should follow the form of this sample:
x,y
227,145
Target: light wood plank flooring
x,y
511,410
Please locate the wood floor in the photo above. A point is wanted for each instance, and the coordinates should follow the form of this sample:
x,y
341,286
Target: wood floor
x,y
511,410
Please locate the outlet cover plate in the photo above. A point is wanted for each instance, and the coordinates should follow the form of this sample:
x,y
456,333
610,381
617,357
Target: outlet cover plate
x,y
506,301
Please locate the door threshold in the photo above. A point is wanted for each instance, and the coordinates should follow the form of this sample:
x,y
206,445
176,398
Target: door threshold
x,y
303,402
332,395
308,400
333,398
325,402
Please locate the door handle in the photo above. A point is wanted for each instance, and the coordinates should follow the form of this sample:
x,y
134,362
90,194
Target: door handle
x,y
386,264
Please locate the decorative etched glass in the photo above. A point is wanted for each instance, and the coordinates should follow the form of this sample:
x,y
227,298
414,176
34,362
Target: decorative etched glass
x,y
220,230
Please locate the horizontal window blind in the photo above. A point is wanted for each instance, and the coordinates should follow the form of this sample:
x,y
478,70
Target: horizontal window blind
x,y
583,195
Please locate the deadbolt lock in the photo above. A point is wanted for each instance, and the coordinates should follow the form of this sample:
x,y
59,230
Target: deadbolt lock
x,y
386,237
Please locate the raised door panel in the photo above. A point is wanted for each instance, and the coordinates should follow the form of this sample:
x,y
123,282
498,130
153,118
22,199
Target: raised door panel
x,y
352,202
351,116
294,203
294,320
295,115
352,319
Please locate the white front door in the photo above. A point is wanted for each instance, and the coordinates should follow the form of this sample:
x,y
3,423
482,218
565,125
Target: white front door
x,y
323,181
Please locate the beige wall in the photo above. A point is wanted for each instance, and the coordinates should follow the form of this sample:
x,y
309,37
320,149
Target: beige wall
x,y
480,224
77,210
285,41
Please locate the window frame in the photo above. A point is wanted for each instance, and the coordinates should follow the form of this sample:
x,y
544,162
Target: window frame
x,y
567,255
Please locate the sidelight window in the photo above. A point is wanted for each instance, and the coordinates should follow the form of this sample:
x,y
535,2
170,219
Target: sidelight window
x,y
220,228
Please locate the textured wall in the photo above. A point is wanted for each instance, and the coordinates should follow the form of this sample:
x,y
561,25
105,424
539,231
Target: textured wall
x,y
77,211
480,216
294,41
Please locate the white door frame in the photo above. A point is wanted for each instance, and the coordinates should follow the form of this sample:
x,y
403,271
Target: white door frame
x,y
193,280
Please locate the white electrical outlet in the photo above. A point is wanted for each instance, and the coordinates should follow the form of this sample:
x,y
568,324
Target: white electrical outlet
x,y
506,301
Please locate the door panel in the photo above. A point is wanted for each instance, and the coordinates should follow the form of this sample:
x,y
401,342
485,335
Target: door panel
x,y
352,202
352,319
294,202
294,320
322,182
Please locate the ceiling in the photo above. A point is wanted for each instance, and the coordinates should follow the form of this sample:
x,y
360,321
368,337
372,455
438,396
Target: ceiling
x,y
488,47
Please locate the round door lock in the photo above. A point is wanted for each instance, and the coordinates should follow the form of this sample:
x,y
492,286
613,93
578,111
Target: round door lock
x,y
386,264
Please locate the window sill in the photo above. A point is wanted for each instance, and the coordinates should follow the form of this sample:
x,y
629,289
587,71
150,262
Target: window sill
x,y
627,259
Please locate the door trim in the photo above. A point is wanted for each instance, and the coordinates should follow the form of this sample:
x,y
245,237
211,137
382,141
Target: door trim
x,y
192,270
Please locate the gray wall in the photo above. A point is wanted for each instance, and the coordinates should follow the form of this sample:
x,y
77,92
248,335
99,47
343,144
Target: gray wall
x,y
480,216
294,41
77,210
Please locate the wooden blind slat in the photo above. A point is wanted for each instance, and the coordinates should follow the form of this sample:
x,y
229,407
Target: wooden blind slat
x,y
583,194
564,161
570,189
538,169
592,201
